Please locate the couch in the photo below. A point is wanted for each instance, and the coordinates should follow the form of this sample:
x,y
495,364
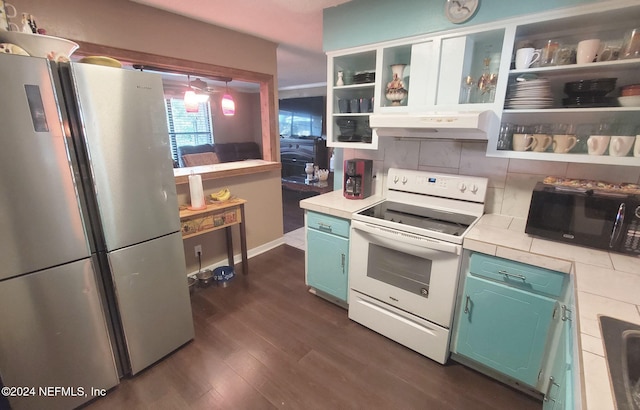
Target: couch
x,y
205,154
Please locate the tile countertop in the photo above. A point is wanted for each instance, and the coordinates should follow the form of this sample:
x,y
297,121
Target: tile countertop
x,y
605,284
334,203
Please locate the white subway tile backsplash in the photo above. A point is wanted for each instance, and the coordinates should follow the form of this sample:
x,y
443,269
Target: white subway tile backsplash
x,y
493,200
474,161
517,194
510,180
440,153
523,166
403,154
439,170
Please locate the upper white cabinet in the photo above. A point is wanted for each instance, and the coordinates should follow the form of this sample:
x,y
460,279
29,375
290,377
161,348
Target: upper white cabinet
x,y
586,115
472,69
350,98
419,75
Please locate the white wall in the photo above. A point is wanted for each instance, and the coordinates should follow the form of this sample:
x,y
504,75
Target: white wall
x,y
510,180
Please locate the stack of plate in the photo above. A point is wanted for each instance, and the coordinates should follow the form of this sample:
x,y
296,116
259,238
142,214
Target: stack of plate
x,y
364,77
589,93
531,94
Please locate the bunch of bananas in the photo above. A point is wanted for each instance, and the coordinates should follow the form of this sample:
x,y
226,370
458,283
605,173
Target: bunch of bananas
x,y
222,195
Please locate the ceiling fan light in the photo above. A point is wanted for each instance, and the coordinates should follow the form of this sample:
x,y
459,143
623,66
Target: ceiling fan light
x,y
202,98
228,105
190,101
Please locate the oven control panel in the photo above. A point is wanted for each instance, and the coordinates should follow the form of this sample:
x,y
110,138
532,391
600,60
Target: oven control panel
x,y
468,188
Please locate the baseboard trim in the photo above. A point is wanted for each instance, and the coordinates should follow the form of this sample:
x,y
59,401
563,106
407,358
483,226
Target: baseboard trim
x,y
250,254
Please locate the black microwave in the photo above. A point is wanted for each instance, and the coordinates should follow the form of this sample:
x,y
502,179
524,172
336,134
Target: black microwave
x,y
595,218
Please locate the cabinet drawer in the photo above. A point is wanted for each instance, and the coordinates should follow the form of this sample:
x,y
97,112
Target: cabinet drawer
x,y
517,274
328,224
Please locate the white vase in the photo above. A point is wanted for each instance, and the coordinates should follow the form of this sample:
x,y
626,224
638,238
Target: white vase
x,y
340,79
396,89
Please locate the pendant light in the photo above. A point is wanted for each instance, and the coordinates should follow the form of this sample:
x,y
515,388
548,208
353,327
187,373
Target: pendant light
x,y
190,98
227,103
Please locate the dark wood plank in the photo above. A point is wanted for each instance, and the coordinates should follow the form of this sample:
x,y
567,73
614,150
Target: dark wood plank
x,y
265,342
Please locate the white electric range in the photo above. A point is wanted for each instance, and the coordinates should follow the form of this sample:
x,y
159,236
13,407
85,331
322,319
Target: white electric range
x,y
405,254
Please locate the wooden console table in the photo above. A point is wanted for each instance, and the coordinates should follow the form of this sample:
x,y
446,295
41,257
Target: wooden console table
x,y
218,215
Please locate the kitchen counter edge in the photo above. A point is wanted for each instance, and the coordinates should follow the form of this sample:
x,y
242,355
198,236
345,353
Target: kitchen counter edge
x,y
335,204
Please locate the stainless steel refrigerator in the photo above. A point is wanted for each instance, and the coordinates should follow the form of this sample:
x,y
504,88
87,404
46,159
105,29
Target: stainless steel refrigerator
x,y
92,269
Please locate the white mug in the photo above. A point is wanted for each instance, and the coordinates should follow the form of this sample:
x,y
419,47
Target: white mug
x,y
525,57
523,142
587,50
5,15
542,142
620,145
597,144
564,143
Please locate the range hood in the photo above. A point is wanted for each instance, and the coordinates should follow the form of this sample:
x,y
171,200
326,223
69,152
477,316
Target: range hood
x,y
449,125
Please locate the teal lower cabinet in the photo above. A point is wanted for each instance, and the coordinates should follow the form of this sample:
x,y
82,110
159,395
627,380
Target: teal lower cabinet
x,y
327,256
559,391
507,322
504,328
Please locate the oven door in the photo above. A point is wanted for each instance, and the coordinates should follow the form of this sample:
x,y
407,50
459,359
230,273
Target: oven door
x,y
411,272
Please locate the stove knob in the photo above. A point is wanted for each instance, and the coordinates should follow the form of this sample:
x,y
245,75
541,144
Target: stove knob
x,y
638,212
474,188
404,180
462,186
395,179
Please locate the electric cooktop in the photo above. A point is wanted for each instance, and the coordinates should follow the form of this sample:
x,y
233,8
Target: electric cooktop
x,y
447,222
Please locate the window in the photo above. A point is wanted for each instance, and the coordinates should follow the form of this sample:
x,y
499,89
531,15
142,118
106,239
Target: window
x,y
186,128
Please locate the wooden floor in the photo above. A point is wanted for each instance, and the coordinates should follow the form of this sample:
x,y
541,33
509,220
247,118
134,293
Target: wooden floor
x,y
265,342
292,214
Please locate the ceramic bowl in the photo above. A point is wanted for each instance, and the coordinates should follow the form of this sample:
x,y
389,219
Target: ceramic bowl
x,y
629,90
205,278
223,274
630,101
38,45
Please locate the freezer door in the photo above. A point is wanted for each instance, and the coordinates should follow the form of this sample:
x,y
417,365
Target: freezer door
x,y
54,334
124,130
40,220
153,298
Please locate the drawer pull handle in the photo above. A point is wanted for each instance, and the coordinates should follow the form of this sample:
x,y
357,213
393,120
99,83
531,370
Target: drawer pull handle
x,y
513,275
343,262
547,394
466,305
324,227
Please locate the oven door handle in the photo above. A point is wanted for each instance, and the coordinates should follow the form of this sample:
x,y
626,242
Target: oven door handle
x,y
390,237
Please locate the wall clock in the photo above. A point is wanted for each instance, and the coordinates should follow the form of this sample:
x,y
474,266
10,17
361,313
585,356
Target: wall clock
x,y
459,11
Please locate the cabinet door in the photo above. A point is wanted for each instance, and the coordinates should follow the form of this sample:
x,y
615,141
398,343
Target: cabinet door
x,y
556,391
327,263
504,328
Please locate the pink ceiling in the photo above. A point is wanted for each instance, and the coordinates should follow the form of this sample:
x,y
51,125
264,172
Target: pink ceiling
x,y
295,25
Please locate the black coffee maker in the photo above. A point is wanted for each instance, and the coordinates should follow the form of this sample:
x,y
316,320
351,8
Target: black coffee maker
x,y
358,178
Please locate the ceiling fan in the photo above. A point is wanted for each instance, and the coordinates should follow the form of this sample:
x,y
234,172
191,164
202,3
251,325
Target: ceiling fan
x,y
200,85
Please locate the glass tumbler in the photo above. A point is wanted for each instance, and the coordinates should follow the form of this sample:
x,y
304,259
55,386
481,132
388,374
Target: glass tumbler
x,y
506,136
